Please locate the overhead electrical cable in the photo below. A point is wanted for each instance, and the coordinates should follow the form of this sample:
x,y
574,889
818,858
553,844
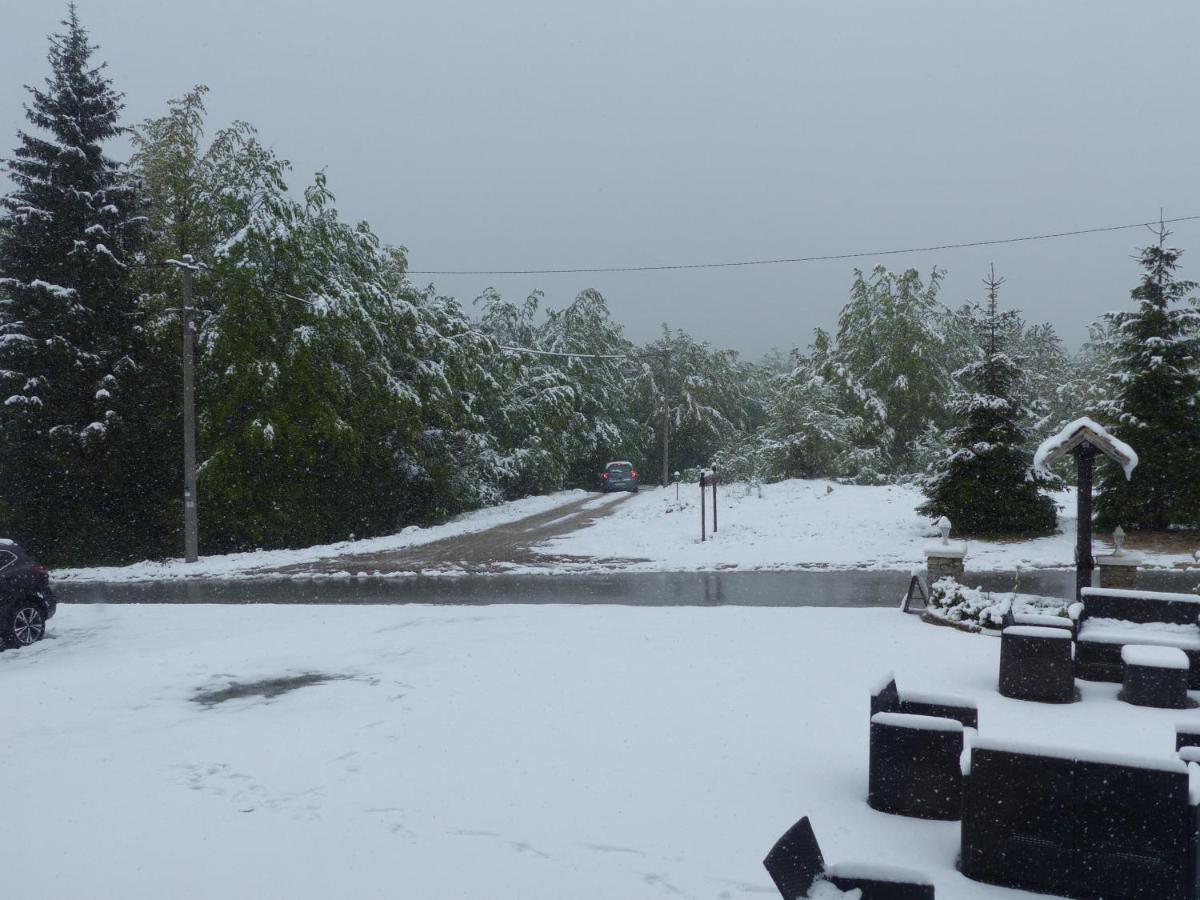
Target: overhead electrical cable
x,y
799,259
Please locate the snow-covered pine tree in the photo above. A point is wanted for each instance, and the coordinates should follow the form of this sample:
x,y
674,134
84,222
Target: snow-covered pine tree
x,y
984,483
73,429
1155,400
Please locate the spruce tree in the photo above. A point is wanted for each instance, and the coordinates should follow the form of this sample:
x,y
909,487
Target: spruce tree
x,y
70,357
1154,401
984,483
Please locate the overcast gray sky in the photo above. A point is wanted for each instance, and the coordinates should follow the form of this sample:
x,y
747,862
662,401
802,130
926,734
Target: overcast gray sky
x,y
533,135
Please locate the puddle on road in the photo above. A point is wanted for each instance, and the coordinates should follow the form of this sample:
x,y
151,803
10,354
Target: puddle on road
x,y
266,688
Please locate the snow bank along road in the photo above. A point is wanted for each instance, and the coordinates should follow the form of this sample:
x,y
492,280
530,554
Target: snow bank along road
x,y
511,752
794,525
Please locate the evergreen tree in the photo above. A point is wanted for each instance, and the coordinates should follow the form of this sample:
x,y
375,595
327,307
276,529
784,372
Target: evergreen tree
x,y
1155,401
984,483
79,456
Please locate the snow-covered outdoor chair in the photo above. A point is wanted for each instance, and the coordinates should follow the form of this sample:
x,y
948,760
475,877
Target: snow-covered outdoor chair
x,y
914,766
1078,823
887,697
798,869
1113,617
1036,663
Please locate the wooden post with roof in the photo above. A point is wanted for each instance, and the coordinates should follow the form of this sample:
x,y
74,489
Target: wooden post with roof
x,y
1084,439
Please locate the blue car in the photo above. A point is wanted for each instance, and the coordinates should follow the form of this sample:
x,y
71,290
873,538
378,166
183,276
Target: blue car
x,y
619,476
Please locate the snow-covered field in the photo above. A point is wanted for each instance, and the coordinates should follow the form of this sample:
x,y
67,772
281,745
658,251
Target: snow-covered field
x,y
514,752
801,524
252,563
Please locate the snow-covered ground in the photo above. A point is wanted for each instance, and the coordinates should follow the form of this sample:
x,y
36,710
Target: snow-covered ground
x,y
801,524
797,524
252,563
513,752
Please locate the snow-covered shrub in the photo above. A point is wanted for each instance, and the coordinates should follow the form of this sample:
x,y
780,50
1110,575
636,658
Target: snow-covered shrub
x,y
975,608
972,607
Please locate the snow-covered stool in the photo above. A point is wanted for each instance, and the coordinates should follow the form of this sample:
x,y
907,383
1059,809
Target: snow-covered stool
x,y
1155,676
914,765
1036,663
887,697
1044,620
797,867
1189,754
1187,734
1078,823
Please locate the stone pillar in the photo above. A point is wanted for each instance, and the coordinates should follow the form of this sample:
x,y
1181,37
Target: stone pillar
x,y
945,560
1119,570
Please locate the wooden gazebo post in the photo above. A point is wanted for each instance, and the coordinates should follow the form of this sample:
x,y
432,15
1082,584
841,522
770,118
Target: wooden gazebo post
x,y
1085,440
1085,456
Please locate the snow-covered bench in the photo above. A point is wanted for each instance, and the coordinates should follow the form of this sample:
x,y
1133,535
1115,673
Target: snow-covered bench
x,y
1080,823
887,697
1110,618
797,867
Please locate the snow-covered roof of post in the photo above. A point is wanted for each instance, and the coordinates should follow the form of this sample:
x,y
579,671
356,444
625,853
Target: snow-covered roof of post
x,y
1092,432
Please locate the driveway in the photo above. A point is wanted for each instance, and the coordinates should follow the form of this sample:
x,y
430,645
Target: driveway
x,y
493,550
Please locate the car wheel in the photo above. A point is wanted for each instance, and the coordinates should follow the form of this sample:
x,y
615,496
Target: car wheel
x,y
24,624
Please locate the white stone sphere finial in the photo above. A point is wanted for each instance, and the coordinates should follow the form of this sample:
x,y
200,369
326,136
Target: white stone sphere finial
x,y
943,525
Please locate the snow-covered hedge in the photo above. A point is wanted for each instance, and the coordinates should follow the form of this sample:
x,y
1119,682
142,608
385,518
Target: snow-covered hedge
x,y
975,608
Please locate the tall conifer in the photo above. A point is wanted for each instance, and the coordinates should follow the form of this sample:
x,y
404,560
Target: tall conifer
x,y
1155,400
984,484
71,360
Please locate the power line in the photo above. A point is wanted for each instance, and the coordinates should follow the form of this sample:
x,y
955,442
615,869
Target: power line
x,y
797,259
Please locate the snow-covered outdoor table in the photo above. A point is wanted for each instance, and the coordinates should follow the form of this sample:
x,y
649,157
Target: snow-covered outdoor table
x,y
1036,663
1155,676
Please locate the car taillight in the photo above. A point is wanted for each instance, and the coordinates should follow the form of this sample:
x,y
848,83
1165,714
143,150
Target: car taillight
x,y
604,475
633,474
41,572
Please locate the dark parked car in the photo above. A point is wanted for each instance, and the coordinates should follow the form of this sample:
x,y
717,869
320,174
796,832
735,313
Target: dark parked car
x,y
26,601
619,476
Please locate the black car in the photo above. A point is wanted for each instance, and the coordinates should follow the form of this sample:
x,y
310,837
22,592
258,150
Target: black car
x,y
26,601
619,476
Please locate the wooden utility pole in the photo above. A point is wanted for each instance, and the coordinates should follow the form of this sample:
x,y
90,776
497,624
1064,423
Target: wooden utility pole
x,y
191,541
666,420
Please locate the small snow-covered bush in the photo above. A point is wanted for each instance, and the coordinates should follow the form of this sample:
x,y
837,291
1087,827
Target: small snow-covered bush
x,y
975,608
